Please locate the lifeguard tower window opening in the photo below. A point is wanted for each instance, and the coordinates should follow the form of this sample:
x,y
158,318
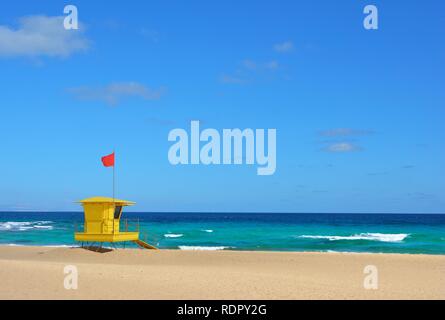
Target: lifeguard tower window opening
x,y
117,212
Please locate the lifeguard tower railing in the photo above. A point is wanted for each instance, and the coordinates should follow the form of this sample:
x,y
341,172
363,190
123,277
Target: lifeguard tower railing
x,y
126,225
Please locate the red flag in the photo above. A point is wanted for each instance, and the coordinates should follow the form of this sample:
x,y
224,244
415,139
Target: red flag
x,y
108,161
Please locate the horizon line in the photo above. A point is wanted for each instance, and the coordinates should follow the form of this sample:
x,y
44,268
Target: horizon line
x,y
229,212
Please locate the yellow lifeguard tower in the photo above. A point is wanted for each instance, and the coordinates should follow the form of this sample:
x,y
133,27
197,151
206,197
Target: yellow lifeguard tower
x,y
102,222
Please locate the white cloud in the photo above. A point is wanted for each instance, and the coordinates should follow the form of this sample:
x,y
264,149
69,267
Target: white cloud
x,y
272,65
151,34
41,36
113,93
249,71
225,78
284,47
258,66
249,64
342,147
345,132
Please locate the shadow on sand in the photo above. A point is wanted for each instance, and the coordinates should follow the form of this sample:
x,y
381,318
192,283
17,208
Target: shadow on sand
x,y
97,249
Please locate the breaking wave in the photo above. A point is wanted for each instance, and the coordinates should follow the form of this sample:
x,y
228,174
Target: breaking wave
x,y
202,248
25,225
173,235
384,237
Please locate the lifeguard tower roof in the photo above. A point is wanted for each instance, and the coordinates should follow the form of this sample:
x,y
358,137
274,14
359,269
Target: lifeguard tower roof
x,y
107,200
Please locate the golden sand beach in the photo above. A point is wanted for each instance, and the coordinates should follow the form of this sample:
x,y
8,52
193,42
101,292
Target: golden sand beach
x,y
38,273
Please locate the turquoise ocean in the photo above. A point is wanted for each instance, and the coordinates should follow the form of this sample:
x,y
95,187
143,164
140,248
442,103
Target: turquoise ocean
x,y
379,233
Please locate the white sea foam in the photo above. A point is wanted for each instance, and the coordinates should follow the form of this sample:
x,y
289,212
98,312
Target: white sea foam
x,y
207,230
25,225
384,237
203,248
173,235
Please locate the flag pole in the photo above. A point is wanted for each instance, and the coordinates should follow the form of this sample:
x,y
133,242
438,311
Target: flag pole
x,y
114,165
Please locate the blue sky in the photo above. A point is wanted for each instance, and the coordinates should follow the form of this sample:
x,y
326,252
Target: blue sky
x,y
359,113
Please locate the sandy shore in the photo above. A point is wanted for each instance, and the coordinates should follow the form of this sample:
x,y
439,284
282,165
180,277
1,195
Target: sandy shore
x,y
38,273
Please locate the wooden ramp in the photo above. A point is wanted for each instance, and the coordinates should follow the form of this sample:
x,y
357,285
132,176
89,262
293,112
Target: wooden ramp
x,y
144,245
